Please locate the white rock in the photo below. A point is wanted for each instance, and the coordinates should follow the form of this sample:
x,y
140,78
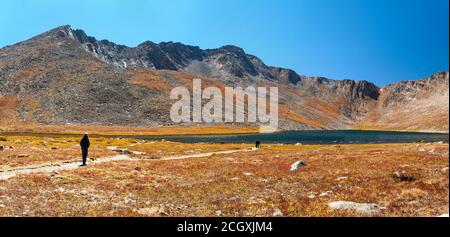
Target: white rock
x,y
341,178
325,193
277,212
297,165
137,153
359,207
219,213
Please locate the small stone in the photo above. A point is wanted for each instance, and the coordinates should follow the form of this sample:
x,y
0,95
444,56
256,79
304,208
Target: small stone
x,y
342,178
23,156
403,177
325,193
137,168
152,211
277,212
248,174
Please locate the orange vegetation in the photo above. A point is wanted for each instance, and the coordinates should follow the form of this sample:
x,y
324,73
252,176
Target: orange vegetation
x,y
257,183
122,130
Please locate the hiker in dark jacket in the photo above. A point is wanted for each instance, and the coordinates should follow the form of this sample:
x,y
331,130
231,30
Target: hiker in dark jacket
x,y
84,143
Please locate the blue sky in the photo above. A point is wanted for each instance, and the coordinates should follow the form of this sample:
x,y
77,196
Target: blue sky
x,y
382,41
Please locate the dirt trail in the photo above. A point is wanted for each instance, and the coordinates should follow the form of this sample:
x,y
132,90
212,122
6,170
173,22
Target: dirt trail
x,y
201,155
74,165
57,167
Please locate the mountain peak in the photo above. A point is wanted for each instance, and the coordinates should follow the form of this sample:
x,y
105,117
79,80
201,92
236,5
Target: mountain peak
x,y
61,31
232,48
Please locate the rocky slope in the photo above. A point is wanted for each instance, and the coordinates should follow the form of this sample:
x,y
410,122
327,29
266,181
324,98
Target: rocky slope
x,y
414,105
65,76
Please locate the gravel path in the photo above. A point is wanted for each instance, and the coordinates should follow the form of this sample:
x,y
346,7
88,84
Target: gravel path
x,y
75,165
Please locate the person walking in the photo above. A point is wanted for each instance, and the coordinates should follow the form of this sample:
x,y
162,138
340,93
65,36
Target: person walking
x,y
84,143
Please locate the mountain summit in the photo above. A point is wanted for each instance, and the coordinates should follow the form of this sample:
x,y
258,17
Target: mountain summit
x,y
65,76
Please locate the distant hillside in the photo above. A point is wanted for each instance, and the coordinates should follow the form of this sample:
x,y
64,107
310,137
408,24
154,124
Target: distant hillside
x,y
64,76
413,105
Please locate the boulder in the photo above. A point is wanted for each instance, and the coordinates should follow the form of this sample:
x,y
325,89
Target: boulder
x,y
365,208
402,176
297,165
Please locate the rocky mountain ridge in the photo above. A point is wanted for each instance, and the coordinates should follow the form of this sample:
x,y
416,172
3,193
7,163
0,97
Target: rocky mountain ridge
x,y
65,76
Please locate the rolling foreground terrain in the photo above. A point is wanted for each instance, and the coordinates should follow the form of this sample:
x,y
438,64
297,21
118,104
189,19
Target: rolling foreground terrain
x,y
40,176
65,78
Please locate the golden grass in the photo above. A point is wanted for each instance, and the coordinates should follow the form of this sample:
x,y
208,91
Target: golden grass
x,y
149,79
125,131
241,184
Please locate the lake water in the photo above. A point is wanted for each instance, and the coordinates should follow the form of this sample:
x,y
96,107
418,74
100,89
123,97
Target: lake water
x,y
291,137
312,137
